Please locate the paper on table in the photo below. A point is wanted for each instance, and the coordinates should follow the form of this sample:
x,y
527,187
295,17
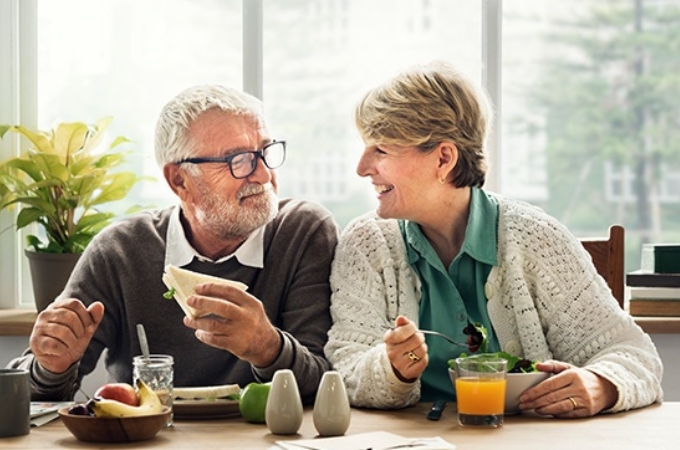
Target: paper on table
x,y
44,412
379,440
40,408
45,418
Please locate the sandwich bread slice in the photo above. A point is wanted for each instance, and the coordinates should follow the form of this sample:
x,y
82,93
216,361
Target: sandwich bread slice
x,y
206,393
181,284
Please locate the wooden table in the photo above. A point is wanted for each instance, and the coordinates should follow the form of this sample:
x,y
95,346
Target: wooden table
x,y
654,427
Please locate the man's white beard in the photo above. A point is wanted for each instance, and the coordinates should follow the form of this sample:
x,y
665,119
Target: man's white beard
x,y
229,222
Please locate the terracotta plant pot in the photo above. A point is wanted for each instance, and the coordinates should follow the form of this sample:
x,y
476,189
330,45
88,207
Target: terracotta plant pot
x,y
49,274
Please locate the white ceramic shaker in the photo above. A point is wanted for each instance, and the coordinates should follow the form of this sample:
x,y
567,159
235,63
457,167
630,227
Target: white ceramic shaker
x,y
284,406
331,407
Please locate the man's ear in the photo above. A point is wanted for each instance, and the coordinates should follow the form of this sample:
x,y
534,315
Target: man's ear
x,y
447,159
176,178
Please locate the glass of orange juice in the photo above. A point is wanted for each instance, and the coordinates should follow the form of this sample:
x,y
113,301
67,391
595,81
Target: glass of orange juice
x,y
480,390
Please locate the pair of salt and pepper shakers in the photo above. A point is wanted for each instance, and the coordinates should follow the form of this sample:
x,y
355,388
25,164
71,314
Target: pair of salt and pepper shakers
x,y
284,407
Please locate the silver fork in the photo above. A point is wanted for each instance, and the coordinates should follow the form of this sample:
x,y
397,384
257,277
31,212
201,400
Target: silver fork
x,y
441,335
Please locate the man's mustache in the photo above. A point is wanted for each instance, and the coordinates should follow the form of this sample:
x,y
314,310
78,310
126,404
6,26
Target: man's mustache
x,y
253,189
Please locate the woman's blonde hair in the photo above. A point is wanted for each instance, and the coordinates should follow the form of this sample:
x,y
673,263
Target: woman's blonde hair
x,y
424,106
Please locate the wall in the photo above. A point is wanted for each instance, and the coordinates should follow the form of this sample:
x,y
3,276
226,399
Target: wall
x,y
668,346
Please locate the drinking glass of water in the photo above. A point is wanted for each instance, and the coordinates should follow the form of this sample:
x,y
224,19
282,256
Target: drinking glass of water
x,y
158,373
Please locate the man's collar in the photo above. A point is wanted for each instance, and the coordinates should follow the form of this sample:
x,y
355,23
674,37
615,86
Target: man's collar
x,y
179,252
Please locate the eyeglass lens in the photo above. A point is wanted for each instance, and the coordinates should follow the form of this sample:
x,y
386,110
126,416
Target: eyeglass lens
x,y
244,164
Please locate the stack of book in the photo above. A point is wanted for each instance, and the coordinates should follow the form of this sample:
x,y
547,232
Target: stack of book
x,y
654,294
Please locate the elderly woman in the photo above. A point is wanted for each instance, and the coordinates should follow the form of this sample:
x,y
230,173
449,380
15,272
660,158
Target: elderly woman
x,y
440,252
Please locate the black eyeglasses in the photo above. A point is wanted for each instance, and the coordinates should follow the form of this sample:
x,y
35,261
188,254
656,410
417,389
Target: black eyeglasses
x,y
243,164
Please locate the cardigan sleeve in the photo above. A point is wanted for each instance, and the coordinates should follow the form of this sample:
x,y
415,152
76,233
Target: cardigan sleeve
x,y
368,289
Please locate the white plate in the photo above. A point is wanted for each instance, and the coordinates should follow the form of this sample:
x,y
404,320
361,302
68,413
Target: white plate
x,y
205,409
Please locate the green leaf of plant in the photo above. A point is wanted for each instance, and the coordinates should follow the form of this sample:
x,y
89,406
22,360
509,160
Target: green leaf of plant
x,y
109,160
82,165
51,166
27,216
79,241
119,140
119,186
55,247
40,140
29,167
90,220
33,241
38,203
41,187
69,138
96,136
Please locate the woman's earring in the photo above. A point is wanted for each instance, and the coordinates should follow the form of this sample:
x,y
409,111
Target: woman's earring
x,y
442,180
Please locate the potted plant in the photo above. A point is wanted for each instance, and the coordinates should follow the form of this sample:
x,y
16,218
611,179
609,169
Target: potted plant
x,y
59,184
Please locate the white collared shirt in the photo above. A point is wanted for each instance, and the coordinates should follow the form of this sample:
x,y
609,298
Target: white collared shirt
x,y
179,252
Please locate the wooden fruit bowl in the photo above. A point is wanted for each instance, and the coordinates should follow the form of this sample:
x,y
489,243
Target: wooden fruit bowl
x,y
118,429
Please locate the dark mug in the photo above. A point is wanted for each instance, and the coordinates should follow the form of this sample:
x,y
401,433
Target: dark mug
x,y
15,403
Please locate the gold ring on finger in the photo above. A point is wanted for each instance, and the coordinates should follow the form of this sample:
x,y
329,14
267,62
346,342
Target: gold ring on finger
x,y
413,357
573,402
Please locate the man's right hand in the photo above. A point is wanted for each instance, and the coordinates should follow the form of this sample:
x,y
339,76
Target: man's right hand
x,y
63,331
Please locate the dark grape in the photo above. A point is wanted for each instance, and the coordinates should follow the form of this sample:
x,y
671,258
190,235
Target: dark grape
x,y
79,410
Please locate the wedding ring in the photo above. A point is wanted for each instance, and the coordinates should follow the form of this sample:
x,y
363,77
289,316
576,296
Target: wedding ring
x,y
413,357
573,402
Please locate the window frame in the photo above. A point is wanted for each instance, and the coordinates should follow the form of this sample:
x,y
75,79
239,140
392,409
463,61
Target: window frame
x,y
18,104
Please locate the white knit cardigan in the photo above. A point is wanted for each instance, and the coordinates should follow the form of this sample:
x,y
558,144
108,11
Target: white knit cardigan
x,y
545,301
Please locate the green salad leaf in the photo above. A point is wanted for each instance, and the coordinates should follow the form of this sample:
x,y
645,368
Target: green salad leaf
x,y
170,293
515,363
477,337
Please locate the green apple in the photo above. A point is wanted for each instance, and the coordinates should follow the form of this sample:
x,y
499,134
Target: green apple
x,y
254,402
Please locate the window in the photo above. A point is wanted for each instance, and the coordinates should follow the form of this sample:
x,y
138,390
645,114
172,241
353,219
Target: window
x,y
137,55
120,58
590,117
587,124
310,90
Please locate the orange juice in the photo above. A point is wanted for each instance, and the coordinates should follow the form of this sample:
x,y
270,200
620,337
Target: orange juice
x,y
480,396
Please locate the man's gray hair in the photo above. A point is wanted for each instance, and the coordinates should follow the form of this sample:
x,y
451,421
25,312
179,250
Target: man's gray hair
x,y
173,142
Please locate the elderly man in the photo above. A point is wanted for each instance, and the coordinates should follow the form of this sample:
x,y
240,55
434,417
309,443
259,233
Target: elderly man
x,y
219,159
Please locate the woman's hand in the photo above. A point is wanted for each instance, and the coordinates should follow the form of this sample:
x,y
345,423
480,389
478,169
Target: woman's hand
x,y
573,392
406,349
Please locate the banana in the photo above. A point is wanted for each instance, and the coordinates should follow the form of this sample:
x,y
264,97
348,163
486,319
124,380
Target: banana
x,y
149,403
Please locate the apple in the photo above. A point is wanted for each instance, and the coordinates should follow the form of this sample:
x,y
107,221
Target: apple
x,y
121,392
253,402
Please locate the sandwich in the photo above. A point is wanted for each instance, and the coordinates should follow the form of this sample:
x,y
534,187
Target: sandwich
x,y
225,391
181,284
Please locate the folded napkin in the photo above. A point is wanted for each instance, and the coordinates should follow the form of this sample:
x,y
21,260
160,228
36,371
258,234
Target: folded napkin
x,y
379,440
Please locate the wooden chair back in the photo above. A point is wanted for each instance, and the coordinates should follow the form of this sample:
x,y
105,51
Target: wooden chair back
x,y
608,257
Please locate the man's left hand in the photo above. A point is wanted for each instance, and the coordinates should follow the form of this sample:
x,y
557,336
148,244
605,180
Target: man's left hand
x,y
572,393
239,325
